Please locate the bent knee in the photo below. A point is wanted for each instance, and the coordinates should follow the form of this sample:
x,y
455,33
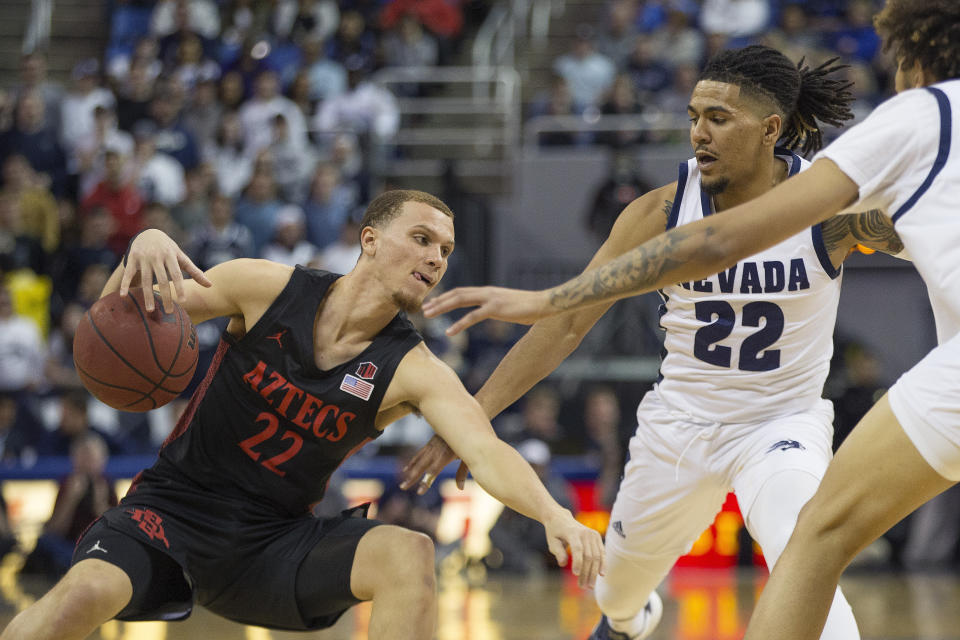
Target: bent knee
x,y
90,594
391,557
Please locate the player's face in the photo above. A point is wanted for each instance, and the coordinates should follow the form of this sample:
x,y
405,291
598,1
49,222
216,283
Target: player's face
x,y
726,133
414,248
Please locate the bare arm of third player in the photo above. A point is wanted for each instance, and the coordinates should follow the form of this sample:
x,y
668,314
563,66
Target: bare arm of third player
x,y
551,339
244,289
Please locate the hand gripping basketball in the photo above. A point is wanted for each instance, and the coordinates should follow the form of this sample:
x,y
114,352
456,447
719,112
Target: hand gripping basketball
x,y
156,258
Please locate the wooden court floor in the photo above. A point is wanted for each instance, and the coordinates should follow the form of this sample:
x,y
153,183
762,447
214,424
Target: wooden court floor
x,y
699,605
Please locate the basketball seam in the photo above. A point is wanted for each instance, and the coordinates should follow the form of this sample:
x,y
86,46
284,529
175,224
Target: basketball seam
x,y
165,370
143,397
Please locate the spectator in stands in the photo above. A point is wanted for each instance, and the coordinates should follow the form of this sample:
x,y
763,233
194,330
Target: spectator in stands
x,y
290,245
353,41
233,91
17,249
857,39
158,177
156,215
241,20
305,19
486,347
82,497
116,194
342,255
92,247
21,349
59,369
327,77
621,100
39,214
233,167
193,211
619,31
588,73
539,419
518,545
33,78
92,281
35,136
257,208
794,36
170,137
201,117
17,442
648,72
257,114
221,239
136,94
190,65
346,155
129,26
78,120
86,162
738,20
442,19
408,45
558,101
199,16
328,205
73,425
601,422
623,186
299,93
678,42
293,161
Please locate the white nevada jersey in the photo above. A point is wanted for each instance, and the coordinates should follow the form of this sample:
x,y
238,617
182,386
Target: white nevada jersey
x,y
753,342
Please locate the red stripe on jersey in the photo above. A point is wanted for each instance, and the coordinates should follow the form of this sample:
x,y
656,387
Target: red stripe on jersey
x,y
191,409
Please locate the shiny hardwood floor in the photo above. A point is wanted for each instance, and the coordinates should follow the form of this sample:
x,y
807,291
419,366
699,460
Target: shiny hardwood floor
x,y
699,605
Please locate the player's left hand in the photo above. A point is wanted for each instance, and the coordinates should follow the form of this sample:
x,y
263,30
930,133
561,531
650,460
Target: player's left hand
x,y
512,305
585,545
427,463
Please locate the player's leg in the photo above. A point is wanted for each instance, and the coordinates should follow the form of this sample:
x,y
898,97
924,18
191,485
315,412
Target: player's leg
x,y
92,592
394,567
667,498
785,461
877,477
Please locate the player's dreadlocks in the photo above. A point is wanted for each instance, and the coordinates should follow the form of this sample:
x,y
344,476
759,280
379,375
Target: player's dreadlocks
x,y
806,98
924,31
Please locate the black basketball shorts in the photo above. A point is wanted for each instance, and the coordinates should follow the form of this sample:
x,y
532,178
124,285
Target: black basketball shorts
x,y
293,576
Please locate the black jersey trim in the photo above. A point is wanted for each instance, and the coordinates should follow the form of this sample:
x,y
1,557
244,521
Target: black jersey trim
x,y
678,196
943,152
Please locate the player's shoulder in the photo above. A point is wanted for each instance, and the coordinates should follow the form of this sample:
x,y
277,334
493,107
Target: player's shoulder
x,y
653,201
253,276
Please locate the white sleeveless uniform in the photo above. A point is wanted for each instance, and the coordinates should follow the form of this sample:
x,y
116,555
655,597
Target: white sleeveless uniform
x,y
753,342
738,403
905,158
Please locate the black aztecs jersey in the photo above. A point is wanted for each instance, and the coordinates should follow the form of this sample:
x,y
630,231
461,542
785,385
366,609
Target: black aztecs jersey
x,y
266,427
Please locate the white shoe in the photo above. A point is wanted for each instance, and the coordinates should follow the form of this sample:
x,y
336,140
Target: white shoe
x,y
652,611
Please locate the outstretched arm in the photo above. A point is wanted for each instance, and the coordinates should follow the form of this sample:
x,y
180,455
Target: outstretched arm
x,y
550,340
691,252
425,382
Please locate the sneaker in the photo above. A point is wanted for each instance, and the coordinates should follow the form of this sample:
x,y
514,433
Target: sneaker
x,y
653,611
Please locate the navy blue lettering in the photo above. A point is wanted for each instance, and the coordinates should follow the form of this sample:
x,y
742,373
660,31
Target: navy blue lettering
x,y
773,277
727,278
703,285
798,275
750,283
685,285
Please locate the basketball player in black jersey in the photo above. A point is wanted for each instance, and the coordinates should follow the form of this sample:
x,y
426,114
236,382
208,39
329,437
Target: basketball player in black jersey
x,y
312,365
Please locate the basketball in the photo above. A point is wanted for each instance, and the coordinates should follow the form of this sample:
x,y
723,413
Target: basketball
x,y
131,359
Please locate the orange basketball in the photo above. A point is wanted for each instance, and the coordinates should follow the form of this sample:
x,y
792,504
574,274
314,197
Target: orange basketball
x,y
131,359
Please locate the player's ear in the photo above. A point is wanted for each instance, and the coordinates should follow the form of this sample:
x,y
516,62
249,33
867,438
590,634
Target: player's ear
x,y
368,241
772,129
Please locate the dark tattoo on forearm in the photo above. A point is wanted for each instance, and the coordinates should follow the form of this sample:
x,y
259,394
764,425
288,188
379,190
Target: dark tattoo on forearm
x,y
641,269
870,228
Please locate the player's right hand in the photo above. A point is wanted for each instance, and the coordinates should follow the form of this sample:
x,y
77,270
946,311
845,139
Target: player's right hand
x,y
427,463
585,547
512,305
157,258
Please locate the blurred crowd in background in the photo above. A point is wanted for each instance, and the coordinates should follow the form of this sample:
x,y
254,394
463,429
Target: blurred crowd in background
x,y
252,128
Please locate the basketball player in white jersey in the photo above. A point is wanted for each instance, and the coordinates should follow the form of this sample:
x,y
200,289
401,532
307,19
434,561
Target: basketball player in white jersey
x,y
738,405
904,160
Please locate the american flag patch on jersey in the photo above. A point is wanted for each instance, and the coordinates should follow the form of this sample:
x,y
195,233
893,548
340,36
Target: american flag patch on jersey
x,y
356,387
